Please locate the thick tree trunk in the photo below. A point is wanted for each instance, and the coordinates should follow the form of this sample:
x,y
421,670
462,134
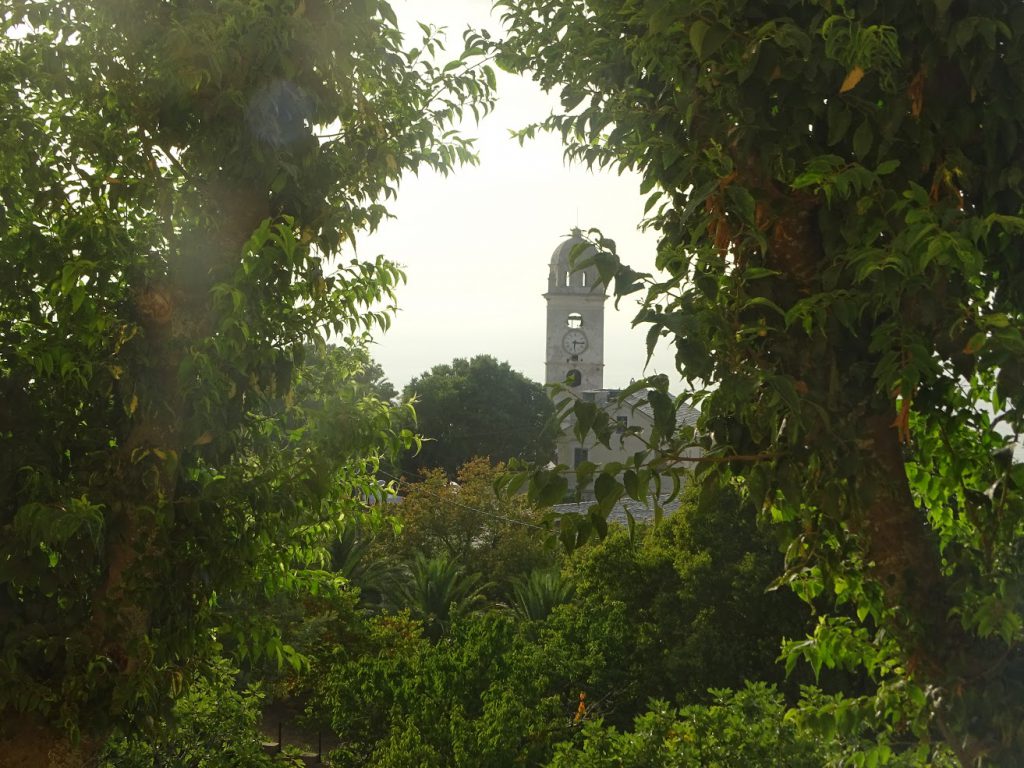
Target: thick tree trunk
x,y
903,554
900,550
27,743
175,314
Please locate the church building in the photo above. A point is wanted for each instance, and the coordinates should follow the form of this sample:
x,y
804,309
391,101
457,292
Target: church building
x,y
574,357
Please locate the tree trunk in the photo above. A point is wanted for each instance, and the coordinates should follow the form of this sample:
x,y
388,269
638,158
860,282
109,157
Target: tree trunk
x,y
175,314
903,554
900,549
27,743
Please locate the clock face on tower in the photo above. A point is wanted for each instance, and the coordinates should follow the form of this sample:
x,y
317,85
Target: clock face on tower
x,y
574,342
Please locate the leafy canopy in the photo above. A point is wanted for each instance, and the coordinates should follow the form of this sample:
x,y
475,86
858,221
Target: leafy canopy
x,y
177,181
838,187
466,521
480,407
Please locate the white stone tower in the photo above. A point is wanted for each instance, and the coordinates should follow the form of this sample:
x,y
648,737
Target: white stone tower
x,y
575,336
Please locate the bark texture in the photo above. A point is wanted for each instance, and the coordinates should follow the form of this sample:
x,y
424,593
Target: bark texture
x,y
27,743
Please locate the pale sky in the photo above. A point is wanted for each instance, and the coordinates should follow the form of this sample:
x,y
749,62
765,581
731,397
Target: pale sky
x,y
476,245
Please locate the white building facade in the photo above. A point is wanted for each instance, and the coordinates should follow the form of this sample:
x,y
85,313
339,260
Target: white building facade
x,y
574,358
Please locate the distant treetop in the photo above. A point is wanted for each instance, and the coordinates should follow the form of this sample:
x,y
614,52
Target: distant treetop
x,y
479,407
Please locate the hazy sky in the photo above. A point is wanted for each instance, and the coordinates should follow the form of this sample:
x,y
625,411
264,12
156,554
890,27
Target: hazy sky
x,y
476,245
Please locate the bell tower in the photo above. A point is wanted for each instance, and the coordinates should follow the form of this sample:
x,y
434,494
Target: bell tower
x,y
575,329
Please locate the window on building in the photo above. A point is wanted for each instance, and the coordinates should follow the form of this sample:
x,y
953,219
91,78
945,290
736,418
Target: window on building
x,y
622,422
575,320
568,276
574,378
583,279
579,456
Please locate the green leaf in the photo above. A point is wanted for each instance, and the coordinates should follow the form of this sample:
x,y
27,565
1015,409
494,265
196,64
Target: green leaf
x,y
696,198
757,487
77,297
863,138
712,41
839,117
887,167
387,13
607,492
761,301
787,391
584,472
552,491
629,482
607,266
742,202
976,343
758,273
664,412
585,413
698,30
571,97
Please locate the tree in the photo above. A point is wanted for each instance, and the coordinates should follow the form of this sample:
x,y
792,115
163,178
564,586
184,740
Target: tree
x,y
488,695
479,407
696,604
176,182
535,595
214,725
838,191
437,591
661,612
333,366
746,727
499,539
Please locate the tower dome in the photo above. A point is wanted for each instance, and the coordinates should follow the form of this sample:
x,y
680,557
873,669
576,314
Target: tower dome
x,y
563,279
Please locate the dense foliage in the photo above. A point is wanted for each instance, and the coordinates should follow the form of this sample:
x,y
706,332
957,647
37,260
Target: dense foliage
x,y
569,665
479,407
745,728
693,601
176,181
467,522
498,678
214,725
839,191
329,368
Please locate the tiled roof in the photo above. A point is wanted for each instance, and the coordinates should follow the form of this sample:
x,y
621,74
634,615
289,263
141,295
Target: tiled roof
x,y
641,513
